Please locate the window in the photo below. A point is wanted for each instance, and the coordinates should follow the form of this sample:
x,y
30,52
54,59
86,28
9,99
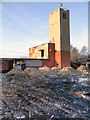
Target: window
x,y
42,53
64,16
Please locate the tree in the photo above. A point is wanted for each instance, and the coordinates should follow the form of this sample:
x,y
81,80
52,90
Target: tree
x,y
84,52
74,53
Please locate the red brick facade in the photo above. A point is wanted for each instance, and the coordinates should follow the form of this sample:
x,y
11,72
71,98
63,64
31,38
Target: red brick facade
x,y
55,58
65,58
51,54
62,59
49,60
6,64
58,59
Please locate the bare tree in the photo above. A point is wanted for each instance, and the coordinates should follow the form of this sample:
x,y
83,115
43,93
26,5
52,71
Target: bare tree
x,y
74,53
84,52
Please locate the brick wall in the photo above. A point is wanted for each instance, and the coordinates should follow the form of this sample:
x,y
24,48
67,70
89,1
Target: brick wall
x,y
51,55
65,58
4,65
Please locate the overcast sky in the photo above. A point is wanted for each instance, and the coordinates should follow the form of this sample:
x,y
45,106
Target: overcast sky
x,y
27,24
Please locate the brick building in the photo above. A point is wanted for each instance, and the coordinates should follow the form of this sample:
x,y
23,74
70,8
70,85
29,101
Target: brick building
x,y
57,51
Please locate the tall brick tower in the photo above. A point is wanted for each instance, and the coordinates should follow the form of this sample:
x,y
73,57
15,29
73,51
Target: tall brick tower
x,y
59,33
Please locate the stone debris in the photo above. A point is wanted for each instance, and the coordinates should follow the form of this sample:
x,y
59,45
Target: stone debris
x,y
55,68
44,93
55,71
15,73
44,68
86,97
82,79
34,73
83,69
68,69
88,82
28,70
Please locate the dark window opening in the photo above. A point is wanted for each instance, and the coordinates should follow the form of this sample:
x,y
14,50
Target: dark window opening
x,y
42,53
64,15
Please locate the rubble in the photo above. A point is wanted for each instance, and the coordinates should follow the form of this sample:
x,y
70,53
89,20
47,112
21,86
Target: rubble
x,y
55,71
55,68
68,69
85,71
86,97
88,82
32,70
44,68
34,73
82,79
44,93
82,67
15,73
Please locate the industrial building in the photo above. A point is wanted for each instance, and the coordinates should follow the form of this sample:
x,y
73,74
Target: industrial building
x,y
56,53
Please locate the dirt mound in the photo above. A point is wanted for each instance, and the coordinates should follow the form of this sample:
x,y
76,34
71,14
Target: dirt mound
x,y
15,73
15,70
85,71
68,69
34,73
55,68
44,68
81,68
47,97
30,70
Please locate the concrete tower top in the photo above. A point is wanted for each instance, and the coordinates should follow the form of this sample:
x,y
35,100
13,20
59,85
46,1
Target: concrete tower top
x,y
59,29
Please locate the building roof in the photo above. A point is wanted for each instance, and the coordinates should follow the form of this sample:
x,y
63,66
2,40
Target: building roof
x,y
41,44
